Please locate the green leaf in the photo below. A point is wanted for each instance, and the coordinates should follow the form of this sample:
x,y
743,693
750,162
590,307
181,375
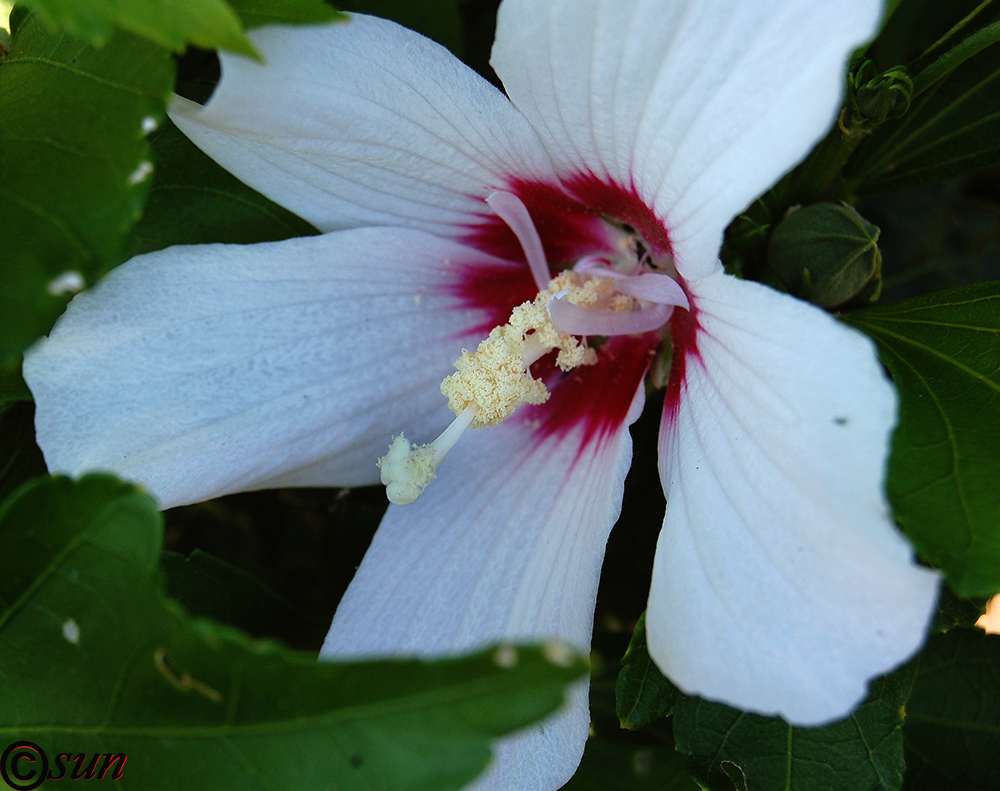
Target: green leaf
x,y
949,131
935,238
943,351
952,730
911,27
96,660
944,62
643,693
173,24
194,201
731,749
211,588
953,611
20,458
615,766
209,24
255,13
74,170
12,386
890,9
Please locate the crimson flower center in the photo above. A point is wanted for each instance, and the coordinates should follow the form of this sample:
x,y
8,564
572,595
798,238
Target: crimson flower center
x,y
624,292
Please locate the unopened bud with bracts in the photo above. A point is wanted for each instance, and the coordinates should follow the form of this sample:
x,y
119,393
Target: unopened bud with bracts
x,y
827,254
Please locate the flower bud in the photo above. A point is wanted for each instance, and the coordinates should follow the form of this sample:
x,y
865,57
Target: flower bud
x,y
827,254
874,97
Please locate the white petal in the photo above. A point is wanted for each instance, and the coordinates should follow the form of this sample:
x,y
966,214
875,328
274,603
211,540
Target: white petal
x,y
700,104
204,370
781,584
506,544
362,123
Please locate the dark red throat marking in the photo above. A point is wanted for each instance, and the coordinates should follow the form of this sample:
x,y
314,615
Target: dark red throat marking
x,y
572,220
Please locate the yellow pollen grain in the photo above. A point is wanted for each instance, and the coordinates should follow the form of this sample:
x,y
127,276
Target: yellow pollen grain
x,y
406,470
496,379
621,302
591,291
